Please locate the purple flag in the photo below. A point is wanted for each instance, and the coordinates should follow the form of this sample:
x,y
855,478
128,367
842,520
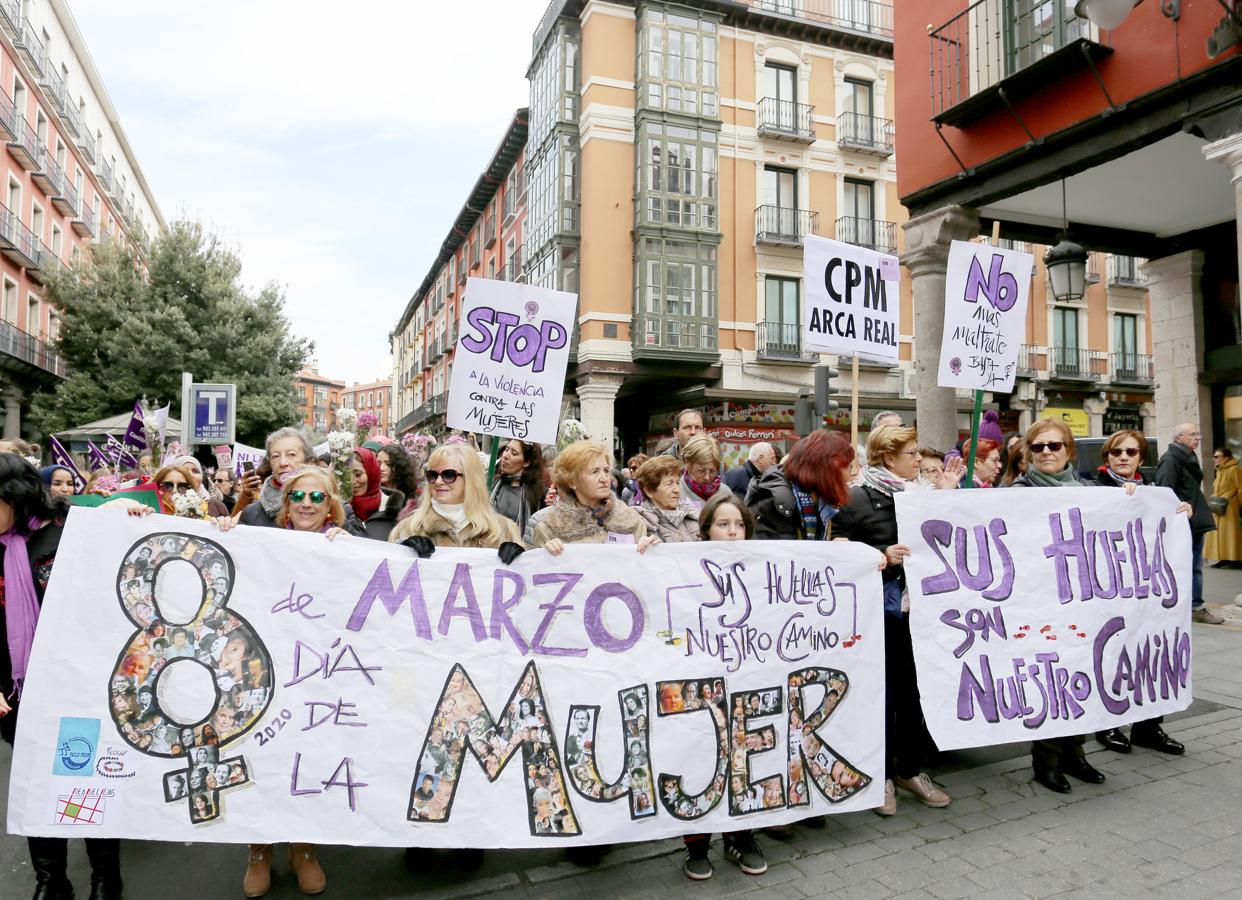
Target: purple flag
x,y
61,457
95,457
118,454
135,434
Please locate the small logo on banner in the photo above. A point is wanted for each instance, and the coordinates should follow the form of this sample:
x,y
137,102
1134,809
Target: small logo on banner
x,y
75,746
82,806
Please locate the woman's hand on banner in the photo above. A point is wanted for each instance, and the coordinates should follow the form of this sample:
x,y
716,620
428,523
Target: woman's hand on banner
x,y
332,533
555,546
1184,508
896,553
131,507
883,563
649,541
5,709
225,523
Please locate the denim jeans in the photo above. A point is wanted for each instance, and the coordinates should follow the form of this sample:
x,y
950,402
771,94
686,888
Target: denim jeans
x,y
1196,552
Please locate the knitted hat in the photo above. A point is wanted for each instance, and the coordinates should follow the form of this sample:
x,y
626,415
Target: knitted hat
x,y
989,428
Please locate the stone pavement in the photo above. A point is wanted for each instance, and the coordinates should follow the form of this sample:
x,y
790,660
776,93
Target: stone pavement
x,y
1159,827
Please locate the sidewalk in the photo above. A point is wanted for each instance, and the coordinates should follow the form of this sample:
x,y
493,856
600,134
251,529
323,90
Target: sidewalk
x,y
1159,827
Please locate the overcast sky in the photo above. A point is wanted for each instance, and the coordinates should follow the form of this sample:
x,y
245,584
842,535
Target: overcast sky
x,y
331,143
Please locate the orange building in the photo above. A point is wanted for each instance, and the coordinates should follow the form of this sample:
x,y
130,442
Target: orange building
x,y
70,181
374,397
318,398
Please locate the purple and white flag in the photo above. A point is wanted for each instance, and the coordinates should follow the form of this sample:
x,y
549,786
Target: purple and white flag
x,y
118,454
61,457
135,434
95,457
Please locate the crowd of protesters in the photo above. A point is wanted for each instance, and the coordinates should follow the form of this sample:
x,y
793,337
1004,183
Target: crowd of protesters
x,y
823,488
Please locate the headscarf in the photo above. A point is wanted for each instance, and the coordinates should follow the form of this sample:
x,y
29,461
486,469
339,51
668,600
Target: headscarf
x,y
189,462
365,505
21,601
48,471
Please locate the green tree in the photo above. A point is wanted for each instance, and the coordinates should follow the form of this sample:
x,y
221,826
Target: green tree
x,y
126,333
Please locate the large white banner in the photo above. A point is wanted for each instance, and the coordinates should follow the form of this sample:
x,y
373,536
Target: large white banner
x,y
265,685
509,370
853,300
985,295
1041,612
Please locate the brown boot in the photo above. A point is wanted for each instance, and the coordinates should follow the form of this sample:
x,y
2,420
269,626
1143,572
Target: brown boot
x,y
258,880
311,879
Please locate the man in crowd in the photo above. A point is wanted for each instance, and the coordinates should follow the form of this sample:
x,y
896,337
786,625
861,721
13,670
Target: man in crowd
x,y
688,423
886,417
761,457
1180,470
223,480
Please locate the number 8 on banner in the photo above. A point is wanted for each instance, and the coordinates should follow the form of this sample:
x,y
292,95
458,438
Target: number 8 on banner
x,y
144,703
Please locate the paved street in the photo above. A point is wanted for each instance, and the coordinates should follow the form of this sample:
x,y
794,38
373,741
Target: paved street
x,y
1160,826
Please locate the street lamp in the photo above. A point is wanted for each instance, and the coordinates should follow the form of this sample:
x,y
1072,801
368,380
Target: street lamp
x,y
1108,14
1067,269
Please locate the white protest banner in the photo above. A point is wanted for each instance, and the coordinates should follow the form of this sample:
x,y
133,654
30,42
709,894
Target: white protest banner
x,y
985,294
243,454
852,300
266,685
1044,612
509,372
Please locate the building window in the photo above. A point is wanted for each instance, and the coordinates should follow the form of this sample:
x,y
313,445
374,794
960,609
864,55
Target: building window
x,y
680,186
857,122
677,295
678,63
1065,338
34,318
10,302
1125,341
781,314
1038,28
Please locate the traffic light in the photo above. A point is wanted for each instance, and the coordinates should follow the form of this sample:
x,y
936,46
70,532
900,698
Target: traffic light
x,y
824,404
804,413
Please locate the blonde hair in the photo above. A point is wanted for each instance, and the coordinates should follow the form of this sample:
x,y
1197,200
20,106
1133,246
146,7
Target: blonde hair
x,y
483,524
336,509
701,450
887,440
573,461
1055,425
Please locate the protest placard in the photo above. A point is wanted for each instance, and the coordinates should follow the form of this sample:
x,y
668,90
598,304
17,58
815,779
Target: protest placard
x,y
985,295
509,371
243,454
353,694
1044,612
852,302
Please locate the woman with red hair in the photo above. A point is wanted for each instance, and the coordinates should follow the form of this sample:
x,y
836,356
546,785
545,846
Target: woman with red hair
x,y
987,462
797,500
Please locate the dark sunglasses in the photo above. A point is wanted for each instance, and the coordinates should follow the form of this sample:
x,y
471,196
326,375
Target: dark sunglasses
x,y
1054,446
1124,451
170,486
316,497
448,476
222,480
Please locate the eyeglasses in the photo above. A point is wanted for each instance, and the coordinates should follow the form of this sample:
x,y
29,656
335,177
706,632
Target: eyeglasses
x,y
1054,446
913,453
1124,451
316,497
448,476
179,486
223,480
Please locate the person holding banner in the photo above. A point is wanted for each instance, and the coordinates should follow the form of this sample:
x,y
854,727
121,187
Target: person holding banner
x,y
287,452
659,481
31,523
1051,455
58,480
797,500
519,489
724,518
870,517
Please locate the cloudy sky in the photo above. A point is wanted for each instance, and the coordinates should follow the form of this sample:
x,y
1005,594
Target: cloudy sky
x,y
331,143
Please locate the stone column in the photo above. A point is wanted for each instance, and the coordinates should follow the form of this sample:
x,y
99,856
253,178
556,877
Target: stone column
x,y
12,398
1094,408
1228,152
1173,284
928,237
597,394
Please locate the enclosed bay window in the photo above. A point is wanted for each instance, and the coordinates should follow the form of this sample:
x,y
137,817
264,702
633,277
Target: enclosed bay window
x,y
680,182
676,303
678,63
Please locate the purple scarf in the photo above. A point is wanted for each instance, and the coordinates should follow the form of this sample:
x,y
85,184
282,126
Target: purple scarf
x,y
21,603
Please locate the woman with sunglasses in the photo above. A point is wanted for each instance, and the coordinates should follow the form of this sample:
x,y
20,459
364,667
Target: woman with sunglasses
x,y
1123,452
176,479
456,511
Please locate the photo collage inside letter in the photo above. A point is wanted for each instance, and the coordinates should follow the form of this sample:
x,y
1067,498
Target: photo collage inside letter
x,y
809,754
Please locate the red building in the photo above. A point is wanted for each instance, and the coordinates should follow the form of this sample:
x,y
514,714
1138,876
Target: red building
x,y
374,397
1138,126
318,398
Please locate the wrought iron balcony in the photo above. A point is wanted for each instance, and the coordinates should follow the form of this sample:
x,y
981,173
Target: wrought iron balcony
x,y
25,146
67,199
84,222
25,352
1031,361
1074,364
18,242
874,234
11,18
8,118
1132,368
53,85
49,264
782,342
1123,271
865,134
784,226
86,143
489,231
71,116
868,16
30,48
785,119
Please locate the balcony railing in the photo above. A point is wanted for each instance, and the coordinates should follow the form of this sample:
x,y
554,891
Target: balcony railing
x,y
1124,271
866,134
489,231
67,199
1132,368
8,118
31,49
1074,364
868,16
84,223
50,177
17,242
785,119
11,18
86,143
105,176
53,87
17,345
781,341
25,146
782,225
873,234
72,118
1031,361
49,264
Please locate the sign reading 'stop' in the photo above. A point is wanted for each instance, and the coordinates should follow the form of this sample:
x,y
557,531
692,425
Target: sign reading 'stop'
x,y
509,370
852,304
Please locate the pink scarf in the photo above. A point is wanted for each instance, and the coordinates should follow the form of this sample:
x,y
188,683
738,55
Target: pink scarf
x,y
704,489
21,602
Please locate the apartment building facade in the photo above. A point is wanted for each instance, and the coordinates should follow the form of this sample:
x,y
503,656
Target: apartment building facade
x,y
70,181
319,397
374,397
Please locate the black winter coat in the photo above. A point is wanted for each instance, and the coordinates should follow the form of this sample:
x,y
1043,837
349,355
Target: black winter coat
x,y
775,508
739,479
1179,469
382,521
870,517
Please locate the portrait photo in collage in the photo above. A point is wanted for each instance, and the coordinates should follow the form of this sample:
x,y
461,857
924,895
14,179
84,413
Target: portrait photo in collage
x,y
746,796
834,776
215,639
677,697
463,722
583,765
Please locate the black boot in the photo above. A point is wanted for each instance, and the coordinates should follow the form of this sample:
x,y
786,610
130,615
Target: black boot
x,y
1051,778
1114,739
1078,767
49,858
105,857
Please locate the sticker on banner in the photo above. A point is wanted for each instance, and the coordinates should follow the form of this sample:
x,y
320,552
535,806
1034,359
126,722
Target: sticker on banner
x,y
82,806
75,746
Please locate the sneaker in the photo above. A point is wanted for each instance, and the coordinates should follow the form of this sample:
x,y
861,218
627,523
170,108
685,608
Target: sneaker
x,y
742,850
889,807
1205,616
923,788
698,867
